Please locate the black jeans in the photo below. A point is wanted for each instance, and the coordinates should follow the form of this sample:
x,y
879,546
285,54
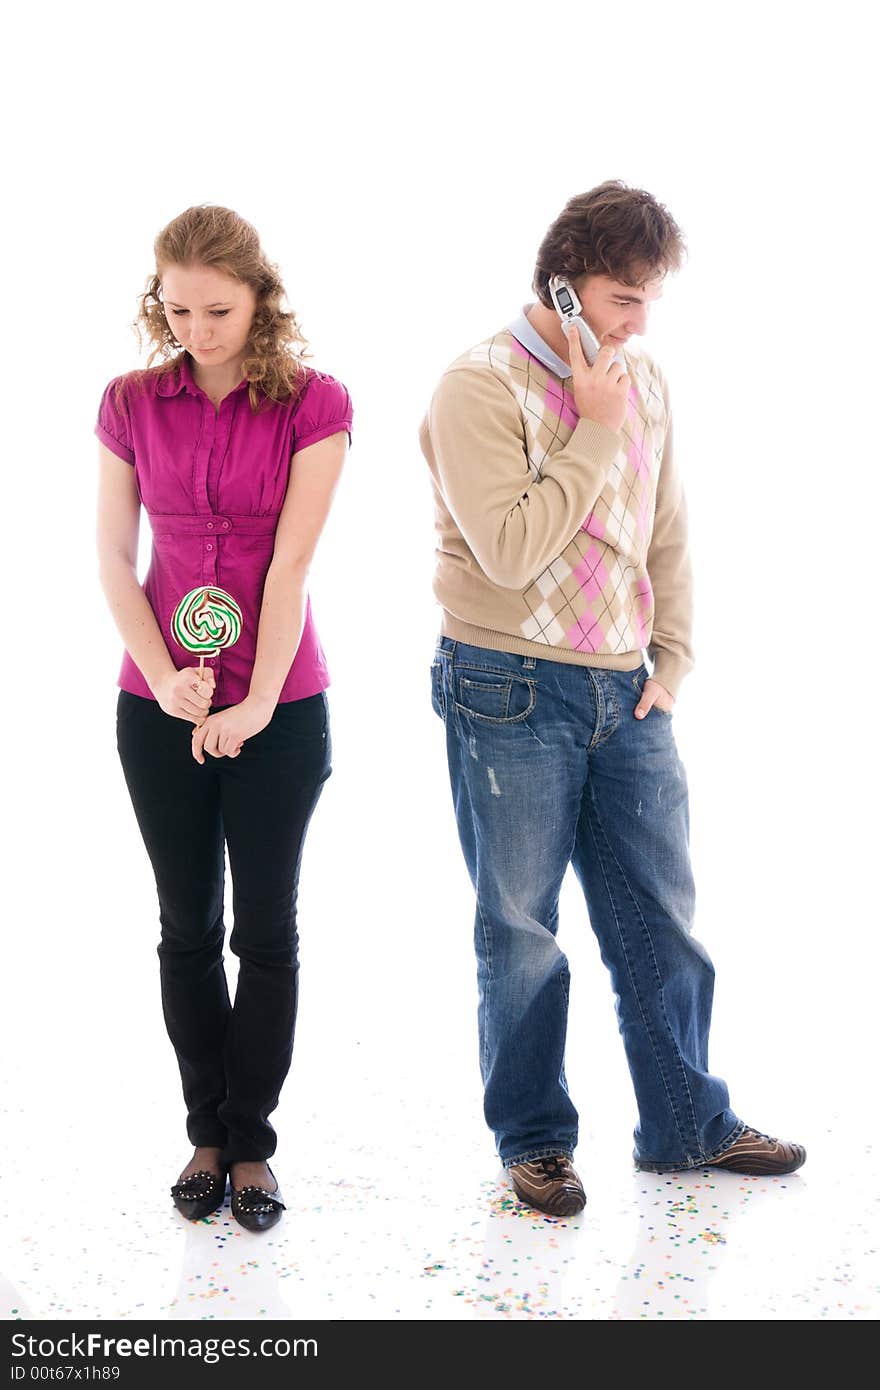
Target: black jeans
x,y
233,1058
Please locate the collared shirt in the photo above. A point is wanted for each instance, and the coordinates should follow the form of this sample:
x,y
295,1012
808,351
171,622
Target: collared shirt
x,y
532,341
213,482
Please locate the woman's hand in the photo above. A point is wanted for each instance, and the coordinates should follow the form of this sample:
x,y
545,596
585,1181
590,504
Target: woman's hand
x,y
223,733
184,696
653,693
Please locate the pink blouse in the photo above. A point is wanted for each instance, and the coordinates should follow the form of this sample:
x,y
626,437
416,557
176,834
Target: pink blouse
x,y
213,484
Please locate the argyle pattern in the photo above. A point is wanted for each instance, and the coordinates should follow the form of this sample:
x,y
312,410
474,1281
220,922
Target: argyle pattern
x,y
596,596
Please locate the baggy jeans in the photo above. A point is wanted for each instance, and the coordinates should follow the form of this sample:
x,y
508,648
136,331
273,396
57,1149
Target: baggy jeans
x,y
549,766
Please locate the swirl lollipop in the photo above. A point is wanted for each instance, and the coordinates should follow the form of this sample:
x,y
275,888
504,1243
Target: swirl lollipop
x,y
205,620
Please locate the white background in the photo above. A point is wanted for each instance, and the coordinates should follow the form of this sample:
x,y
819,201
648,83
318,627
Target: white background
x,y
402,166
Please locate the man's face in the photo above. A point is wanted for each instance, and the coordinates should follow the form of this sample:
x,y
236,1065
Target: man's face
x,y
616,311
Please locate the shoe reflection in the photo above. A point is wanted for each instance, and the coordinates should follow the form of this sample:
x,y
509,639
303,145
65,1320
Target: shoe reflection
x,y
686,1225
522,1267
227,1272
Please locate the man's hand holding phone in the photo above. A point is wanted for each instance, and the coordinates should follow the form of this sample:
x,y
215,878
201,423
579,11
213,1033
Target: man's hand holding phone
x,y
600,391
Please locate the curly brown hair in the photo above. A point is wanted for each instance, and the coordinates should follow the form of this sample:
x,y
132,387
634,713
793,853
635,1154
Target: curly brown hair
x,y
208,235
613,230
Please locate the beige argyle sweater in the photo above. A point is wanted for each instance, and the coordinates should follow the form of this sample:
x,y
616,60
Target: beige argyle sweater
x,y
557,537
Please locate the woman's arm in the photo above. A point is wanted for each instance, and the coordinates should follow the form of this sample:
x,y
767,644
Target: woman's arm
x,y
314,474
118,526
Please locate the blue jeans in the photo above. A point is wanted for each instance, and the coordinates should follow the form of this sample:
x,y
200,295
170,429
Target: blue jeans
x,y
549,766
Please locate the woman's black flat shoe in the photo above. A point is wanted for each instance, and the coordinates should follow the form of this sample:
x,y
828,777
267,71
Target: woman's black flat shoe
x,y
255,1208
198,1194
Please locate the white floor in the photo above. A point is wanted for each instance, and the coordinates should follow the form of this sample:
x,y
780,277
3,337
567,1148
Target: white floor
x,y
420,1224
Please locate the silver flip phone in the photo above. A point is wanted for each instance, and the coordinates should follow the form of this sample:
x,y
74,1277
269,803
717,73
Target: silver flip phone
x,y
568,307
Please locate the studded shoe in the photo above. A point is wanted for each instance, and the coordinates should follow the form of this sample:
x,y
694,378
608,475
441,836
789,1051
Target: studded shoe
x,y
549,1184
255,1208
198,1194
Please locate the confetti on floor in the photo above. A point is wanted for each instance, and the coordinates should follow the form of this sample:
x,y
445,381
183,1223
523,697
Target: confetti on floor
x,y
382,1233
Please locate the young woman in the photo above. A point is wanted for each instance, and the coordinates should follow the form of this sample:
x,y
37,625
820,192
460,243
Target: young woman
x,y
234,448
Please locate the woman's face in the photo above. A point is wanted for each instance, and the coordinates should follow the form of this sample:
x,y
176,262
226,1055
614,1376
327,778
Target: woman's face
x,y
209,313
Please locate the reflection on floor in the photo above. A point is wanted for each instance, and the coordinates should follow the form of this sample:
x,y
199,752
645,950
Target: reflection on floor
x,y
423,1228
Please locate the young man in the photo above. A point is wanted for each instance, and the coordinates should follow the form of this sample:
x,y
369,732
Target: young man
x,y
562,554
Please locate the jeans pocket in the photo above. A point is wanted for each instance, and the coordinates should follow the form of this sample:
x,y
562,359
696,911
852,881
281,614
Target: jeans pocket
x,y
638,680
495,697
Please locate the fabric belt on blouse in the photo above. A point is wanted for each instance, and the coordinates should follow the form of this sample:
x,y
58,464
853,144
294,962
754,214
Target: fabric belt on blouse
x,y
207,524
210,528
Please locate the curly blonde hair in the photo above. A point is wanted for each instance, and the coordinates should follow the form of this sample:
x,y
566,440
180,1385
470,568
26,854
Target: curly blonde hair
x,y
209,235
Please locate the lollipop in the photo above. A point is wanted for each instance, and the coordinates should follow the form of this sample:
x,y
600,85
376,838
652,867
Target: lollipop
x,y
206,620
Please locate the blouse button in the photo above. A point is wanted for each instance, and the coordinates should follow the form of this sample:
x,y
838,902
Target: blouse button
x,y
209,546
226,526
210,525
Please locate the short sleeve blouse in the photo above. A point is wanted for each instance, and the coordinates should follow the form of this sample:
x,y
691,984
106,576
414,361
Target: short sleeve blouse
x,y
213,482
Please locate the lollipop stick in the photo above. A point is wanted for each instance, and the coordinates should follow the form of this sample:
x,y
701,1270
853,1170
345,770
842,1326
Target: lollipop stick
x,y
202,666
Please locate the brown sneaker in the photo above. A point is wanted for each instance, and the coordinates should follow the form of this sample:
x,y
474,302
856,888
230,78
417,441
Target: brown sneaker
x,y
549,1184
758,1154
